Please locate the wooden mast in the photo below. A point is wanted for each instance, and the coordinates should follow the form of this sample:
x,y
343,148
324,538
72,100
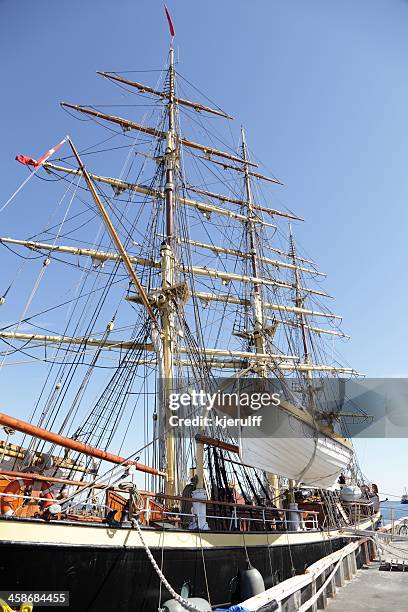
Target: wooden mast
x,y
257,298
258,335
299,301
168,279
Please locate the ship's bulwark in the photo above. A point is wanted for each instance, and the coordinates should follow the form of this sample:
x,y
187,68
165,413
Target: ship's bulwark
x,y
104,578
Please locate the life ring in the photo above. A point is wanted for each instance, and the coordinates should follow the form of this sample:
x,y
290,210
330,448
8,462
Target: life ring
x,y
9,502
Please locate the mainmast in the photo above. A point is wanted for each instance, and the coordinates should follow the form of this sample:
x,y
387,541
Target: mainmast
x,y
258,331
257,298
302,323
168,278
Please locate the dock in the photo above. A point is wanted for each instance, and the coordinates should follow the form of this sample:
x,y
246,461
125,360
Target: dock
x,y
372,590
370,573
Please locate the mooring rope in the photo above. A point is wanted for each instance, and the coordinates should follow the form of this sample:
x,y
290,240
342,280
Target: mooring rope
x,y
183,602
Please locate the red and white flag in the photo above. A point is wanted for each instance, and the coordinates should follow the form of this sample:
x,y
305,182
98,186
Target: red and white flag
x,y
171,26
26,161
29,161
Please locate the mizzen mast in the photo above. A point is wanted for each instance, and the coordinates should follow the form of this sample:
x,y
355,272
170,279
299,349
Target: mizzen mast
x,y
299,300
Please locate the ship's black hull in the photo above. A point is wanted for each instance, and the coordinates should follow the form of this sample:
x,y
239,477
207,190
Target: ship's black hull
x,y
104,578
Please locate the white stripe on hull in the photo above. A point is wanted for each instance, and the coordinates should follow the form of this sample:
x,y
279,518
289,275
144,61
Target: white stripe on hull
x,y
63,534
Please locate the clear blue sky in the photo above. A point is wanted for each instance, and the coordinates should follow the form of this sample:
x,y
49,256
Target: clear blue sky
x,y
322,90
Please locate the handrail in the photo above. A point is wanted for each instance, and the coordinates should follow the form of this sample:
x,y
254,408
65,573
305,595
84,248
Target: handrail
x,y
209,516
163,513
214,502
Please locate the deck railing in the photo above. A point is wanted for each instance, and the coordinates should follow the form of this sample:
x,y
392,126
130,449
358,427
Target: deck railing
x,y
220,515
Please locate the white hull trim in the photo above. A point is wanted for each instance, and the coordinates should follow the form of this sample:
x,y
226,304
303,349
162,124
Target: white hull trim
x,y
60,534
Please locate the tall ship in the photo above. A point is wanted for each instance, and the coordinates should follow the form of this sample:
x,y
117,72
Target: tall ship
x,y
152,276
404,496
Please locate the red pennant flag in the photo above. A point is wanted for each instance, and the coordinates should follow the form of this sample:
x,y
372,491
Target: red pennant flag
x,y
171,26
26,161
29,161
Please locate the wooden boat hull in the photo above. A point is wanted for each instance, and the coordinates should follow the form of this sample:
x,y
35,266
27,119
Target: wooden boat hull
x,y
105,568
287,443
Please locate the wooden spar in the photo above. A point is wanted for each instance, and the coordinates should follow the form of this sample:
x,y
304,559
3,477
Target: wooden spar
x,y
239,364
230,299
80,252
163,94
13,474
114,236
122,185
130,125
215,442
109,256
316,367
231,276
222,198
41,339
254,174
212,363
128,344
241,254
285,254
196,270
78,483
294,367
244,354
54,339
86,449
317,330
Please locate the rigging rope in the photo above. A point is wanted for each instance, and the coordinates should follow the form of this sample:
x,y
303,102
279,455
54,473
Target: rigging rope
x,y
30,176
